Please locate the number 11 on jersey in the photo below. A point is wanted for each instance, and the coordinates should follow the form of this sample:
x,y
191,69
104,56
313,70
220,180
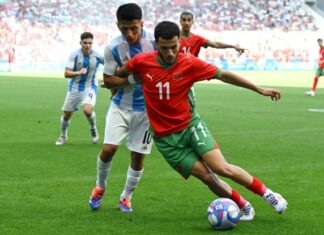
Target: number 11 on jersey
x,y
166,94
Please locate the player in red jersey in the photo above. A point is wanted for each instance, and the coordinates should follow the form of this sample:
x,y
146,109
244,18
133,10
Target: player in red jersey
x,y
320,69
191,43
178,131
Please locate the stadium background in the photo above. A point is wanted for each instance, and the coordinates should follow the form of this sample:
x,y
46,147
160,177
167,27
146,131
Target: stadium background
x,y
38,35
45,189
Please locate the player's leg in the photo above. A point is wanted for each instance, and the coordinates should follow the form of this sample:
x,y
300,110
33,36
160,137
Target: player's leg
x,y
139,142
70,105
204,144
88,103
186,162
134,174
319,72
115,131
222,189
217,163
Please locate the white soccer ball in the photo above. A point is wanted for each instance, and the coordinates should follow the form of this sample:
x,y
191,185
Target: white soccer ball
x,y
223,213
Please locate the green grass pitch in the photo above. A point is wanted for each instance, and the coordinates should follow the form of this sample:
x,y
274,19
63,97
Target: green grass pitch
x,y
45,188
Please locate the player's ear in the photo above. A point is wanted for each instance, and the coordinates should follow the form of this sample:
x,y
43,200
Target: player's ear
x,y
142,23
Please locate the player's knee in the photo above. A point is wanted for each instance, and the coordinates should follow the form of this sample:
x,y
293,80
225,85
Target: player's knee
x,y
108,151
67,116
87,112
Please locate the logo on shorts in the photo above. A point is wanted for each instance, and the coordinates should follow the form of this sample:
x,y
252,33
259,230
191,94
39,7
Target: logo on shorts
x,y
144,147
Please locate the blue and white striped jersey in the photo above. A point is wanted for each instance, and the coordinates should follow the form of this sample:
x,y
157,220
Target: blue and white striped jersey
x,y
77,61
117,53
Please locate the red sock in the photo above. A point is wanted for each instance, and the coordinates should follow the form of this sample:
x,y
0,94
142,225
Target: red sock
x,y
315,84
257,187
238,199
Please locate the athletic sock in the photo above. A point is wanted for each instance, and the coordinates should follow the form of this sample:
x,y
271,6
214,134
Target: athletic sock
x,y
238,199
103,169
64,126
315,84
257,187
133,177
92,121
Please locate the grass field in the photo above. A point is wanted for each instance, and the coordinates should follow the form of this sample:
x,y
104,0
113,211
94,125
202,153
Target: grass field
x,y
45,188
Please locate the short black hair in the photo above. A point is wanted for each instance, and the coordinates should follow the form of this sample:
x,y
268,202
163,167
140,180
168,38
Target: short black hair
x,y
86,35
186,13
128,12
166,30
320,40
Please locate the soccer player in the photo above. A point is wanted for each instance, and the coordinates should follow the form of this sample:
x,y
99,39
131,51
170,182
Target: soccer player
x,y
178,132
126,114
191,44
83,85
320,69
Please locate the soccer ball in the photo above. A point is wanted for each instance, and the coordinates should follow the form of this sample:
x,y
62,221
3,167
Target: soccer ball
x,y
223,214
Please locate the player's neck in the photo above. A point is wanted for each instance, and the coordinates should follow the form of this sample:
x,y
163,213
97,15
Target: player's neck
x,y
86,53
185,33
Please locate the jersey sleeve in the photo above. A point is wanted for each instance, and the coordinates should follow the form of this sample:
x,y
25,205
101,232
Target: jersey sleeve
x,y
132,65
71,61
204,70
203,41
110,64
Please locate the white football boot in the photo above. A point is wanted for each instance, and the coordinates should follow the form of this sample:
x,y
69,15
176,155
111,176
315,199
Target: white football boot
x,y
247,212
61,140
276,200
310,93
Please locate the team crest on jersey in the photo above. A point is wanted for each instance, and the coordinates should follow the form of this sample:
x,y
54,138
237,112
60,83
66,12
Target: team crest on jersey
x,y
177,76
79,64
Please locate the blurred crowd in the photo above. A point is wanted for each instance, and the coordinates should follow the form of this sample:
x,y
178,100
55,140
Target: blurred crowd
x,y
45,31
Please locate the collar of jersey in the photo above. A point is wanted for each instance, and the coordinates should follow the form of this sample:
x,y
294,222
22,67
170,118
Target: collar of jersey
x,y
184,36
164,65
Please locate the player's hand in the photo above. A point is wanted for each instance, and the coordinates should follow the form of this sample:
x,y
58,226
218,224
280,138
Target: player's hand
x,y
83,71
273,93
239,50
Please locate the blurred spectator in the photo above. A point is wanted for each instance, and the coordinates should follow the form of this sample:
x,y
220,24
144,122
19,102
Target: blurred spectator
x,y
47,29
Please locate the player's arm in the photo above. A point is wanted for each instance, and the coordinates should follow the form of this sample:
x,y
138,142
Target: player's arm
x,y
237,80
121,78
221,45
69,73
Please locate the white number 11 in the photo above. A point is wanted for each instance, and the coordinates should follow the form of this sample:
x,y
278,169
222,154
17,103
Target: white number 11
x,y
160,85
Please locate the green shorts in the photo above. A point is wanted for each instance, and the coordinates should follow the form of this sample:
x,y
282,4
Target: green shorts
x,y
181,150
319,72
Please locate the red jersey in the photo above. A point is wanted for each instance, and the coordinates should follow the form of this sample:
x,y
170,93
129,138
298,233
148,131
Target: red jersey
x,y
321,58
166,89
192,44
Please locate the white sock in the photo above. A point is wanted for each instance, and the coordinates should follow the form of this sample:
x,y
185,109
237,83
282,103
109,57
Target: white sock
x,y
92,120
133,177
64,126
103,169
